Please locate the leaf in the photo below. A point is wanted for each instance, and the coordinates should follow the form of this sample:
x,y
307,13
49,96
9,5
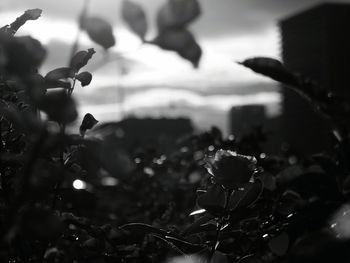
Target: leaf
x,y
24,55
182,42
213,200
135,17
198,212
84,78
177,13
100,31
271,68
31,14
197,226
171,245
246,197
187,247
279,245
249,259
88,123
60,73
143,229
59,106
81,58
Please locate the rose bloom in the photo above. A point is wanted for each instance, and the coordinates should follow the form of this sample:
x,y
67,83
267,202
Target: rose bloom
x,y
232,170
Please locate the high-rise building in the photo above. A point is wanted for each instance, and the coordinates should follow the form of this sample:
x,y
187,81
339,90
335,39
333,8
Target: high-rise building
x,y
315,43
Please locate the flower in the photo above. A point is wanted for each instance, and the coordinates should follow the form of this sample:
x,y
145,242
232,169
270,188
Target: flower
x,y
232,170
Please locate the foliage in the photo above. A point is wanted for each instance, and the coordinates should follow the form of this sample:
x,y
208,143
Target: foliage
x,y
85,198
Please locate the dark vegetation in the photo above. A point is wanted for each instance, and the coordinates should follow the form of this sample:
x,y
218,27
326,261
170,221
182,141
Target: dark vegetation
x,y
210,199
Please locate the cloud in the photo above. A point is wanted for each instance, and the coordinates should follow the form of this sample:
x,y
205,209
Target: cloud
x,y
220,17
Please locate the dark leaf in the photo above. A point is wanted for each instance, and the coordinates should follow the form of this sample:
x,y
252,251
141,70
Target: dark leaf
x,y
60,73
177,13
171,245
143,229
271,68
59,106
84,78
187,247
88,123
213,200
249,259
182,42
31,14
246,197
100,31
24,55
81,59
197,226
135,17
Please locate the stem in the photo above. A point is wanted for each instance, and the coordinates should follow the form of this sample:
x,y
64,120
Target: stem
x,y
81,17
220,225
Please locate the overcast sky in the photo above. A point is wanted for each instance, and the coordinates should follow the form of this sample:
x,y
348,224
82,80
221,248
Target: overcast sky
x,y
228,31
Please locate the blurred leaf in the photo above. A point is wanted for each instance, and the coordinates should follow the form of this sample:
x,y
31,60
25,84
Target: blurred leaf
x,y
60,73
81,58
59,106
271,68
135,17
100,31
279,245
31,14
213,200
24,55
182,42
177,13
84,78
88,123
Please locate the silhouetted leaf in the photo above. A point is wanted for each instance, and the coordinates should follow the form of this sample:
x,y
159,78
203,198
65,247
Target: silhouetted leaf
x,y
135,17
177,13
246,197
84,78
88,123
271,68
197,226
31,14
143,229
60,73
59,106
24,55
213,200
100,31
81,58
249,259
181,41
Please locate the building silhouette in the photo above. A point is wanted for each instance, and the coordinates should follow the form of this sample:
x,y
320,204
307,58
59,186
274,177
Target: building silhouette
x,y
315,43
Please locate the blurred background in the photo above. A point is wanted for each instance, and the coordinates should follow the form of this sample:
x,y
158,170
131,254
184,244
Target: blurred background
x,y
144,81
